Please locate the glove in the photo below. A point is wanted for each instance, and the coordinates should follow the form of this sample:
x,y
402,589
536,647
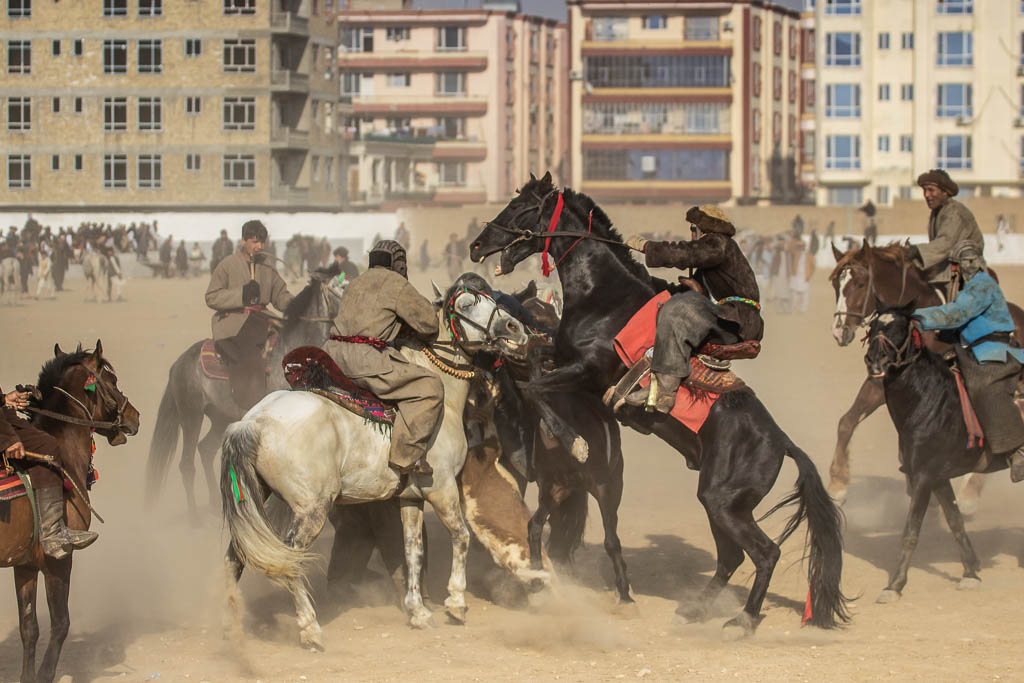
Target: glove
x,y
636,242
911,253
251,293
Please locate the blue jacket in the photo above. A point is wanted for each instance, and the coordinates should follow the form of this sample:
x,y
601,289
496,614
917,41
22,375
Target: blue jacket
x,y
978,310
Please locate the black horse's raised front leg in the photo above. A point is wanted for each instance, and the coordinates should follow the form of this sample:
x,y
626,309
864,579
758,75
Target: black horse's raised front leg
x,y
565,379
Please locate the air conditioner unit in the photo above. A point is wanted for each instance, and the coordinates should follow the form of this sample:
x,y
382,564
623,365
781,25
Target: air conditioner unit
x,y
726,26
1018,122
648,163
1020,70
575,75
963,121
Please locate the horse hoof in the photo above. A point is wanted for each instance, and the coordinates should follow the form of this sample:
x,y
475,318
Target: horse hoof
x,y
580,449
740,626
968,506
969,583
888,596
691,615
838,492
312,639
626,608
457,615
422,621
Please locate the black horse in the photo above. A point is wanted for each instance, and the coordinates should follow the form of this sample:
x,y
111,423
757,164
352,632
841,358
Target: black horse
x,y
923,401
190,394
740,446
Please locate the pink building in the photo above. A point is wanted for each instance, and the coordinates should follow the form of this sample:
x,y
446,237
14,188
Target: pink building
x,y
451,106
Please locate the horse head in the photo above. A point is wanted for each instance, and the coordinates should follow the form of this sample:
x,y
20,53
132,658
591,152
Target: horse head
x,y
317,304
893,341
517,231
476,323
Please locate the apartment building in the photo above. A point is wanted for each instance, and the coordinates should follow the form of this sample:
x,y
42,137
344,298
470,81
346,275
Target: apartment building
x,y
171,104
451,106
906,86
685,101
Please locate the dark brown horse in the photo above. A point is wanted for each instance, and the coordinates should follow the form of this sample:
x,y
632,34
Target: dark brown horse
x,y
61,384
864,279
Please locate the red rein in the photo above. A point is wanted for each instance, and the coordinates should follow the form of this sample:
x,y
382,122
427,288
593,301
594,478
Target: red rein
x,y
546,267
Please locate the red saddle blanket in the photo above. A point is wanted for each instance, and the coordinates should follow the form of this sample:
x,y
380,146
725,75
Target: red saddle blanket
x,y
11,485
212,365
310,368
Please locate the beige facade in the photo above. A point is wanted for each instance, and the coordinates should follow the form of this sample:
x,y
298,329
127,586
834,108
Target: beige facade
x,y
685,101
169,104
903,87
451,106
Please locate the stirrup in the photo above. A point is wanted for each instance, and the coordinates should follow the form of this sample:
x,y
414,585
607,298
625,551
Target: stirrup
x,y
616,395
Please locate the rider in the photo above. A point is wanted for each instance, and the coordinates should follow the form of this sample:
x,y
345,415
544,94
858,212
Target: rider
x,y
725,311
349,269
375,307
18,435
949,223
989,363
241,285
222,248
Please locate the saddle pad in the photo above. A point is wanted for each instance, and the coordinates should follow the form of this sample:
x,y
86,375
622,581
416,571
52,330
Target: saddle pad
x,y
692,404
310,368
11,486
213,366
975,436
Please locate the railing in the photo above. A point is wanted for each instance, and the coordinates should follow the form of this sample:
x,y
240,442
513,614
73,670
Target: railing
x,y
290,136
290,80
289,193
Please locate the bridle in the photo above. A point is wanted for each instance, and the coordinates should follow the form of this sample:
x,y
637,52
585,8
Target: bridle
x,y
457,321
90,421
902,355
864,314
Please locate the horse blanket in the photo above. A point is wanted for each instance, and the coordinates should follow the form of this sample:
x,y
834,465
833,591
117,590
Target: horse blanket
x,y
310,368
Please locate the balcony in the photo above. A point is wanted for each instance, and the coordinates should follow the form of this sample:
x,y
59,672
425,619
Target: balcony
x,y
378,195
385,105
289,81
401,61
460,150
461,194
283,137
289,194
290,23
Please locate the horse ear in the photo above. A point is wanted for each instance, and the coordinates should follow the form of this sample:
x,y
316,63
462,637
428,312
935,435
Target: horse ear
x,y
547,178
835,252
438,294
532,177
531,290
57,353
98,351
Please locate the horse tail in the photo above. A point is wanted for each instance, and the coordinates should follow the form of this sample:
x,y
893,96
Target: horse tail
x,y
828,605
243,495
164,442
568,522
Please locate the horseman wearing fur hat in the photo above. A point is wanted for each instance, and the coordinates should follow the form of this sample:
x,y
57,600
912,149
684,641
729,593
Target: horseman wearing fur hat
x,y
950,222
723,307
373,311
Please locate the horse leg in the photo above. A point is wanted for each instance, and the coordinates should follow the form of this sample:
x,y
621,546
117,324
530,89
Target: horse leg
x,y
304,529
944,492
25,579
447,505
608,498
412,528
535,529
920,494
190,426
208,447
970,493
730,557
870,396
58,581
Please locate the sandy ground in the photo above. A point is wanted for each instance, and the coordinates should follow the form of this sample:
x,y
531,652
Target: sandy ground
x,y
147,599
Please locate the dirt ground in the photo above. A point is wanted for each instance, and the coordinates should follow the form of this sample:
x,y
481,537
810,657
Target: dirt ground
x,y
147,599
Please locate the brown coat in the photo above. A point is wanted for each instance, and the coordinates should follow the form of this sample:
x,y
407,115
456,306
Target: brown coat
x,y
7,416
947,225
224,295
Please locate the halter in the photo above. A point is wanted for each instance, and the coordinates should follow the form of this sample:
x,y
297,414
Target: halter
x,y
456,320
90,421
901,356
869,293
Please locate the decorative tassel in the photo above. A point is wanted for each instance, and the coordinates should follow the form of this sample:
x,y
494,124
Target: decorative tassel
x,y
808,611
235,488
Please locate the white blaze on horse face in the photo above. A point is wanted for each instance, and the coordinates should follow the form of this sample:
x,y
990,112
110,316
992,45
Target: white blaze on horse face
x,y
839,320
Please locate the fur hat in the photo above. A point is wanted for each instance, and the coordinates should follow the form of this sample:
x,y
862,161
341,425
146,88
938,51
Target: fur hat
x,y
710,218
941,179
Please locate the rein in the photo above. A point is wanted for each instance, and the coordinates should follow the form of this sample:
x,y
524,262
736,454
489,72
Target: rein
x,y
90,422
900,357
869,294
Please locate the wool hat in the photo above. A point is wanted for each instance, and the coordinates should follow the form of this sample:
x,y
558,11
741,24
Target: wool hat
x,y
941,179
710,218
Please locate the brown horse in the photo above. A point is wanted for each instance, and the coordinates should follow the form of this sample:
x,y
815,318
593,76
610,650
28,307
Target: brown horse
x,y
863,280
70,414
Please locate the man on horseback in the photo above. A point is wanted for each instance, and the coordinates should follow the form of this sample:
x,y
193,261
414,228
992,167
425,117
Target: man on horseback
x,y
240,288
17,436
989,361
950,222
721,305
373,311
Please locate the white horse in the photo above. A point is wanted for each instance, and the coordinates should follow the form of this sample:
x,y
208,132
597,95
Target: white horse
x,y
94,268
314,454
44,278
10,279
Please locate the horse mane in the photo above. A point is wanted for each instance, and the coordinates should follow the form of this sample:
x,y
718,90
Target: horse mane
x,y
53,371
892,253
300,303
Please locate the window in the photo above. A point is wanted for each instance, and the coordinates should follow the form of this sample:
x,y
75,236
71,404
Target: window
x,y
357,39
907,92
776,83
19,56
193,162
19,113
610,29
150,113
956,6
956,48
658,71
907,41
399,80
906,191
454,127
193,105
314,168
397,33
755,123
115,114
845,195
151,8
630,118
842,49
115,8
451,84
756,78
882,194
1021,111
776,127
655,22
150,56
883,143
193,47
451,38
842,152
78,162
810,101
883,41
19,9
115,171
906,143
150,171
883,92
55,48
792,86
451,173
755,34
55,162
78,105
808,149
239,170
660,164
239,113
115,56
240,56
792,42
777,37
842,6
954,100
19,171
842,101
329,172
239,6
954,151
55,105
701,28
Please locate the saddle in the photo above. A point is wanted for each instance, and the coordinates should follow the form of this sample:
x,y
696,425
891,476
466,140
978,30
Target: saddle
x,y
212,363
310,368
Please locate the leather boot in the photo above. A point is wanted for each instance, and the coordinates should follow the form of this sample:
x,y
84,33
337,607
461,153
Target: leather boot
x,y
1017,465
423,467
663,392
55,538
